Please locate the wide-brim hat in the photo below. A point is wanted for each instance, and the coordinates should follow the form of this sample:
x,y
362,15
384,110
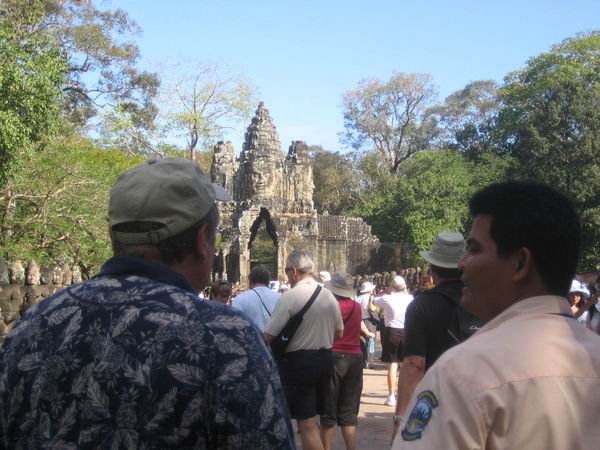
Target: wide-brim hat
x,y
341,284
172,192
446,250
324,275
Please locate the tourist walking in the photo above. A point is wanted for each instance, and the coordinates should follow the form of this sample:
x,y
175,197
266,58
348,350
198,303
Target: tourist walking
x,y
394,305
370,319
307,365
431,324
259,301
342,398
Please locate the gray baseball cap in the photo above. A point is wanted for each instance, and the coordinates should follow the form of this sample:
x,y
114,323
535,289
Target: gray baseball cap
x,y
171,191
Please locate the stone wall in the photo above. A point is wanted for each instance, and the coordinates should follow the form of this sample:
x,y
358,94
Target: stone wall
x,y
22,286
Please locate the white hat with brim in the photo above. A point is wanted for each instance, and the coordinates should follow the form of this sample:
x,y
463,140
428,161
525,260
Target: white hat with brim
x,y
447,249
324,275
366,287
341,284
579,288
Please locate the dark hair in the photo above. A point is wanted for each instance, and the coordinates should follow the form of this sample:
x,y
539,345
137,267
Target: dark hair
x,y
259,275
220,288
446,273
171,250
526,214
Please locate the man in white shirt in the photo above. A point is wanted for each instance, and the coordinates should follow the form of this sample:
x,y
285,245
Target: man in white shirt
x,y
530,378
394,306
259,301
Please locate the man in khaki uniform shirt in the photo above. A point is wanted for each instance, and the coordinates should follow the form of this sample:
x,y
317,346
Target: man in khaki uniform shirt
x,y
530,378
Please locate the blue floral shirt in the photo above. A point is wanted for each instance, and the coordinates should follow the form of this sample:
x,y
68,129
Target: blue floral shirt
x,y
133,359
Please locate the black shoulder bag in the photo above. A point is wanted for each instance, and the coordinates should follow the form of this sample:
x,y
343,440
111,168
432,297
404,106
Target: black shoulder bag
x,y
281,341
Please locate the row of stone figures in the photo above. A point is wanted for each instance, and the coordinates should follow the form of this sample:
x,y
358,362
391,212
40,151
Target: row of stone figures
x,y
381,280
22,286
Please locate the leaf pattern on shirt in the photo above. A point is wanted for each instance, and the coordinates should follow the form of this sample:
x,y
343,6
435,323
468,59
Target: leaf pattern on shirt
x,y
30,362
130,363
98,399
129,316
186,374
164,409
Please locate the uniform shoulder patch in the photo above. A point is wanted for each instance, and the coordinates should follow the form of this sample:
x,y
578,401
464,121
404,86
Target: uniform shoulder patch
x,y
419,416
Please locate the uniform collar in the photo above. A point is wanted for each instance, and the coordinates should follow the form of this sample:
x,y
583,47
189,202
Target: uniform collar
x,y
539,305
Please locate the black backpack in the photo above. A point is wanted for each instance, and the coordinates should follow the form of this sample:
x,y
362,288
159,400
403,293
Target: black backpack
x,y
463,324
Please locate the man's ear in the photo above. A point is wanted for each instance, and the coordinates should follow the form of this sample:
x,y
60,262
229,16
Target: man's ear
x,y
203,246
523,264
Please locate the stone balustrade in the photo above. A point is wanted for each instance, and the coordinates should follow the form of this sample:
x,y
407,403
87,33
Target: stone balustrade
x,y
22,286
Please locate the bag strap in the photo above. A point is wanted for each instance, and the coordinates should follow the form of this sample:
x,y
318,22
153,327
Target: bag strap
x,y
351,312
261,300
310,301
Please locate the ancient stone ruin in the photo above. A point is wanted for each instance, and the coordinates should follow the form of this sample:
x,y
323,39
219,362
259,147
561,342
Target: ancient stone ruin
x,y
272,206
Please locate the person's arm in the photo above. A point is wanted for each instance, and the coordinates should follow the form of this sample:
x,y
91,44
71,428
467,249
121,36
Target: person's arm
x,y
268,338
443,412
410,375
365,330
339,322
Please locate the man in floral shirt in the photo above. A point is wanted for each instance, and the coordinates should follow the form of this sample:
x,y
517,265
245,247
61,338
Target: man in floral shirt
x,y
131,358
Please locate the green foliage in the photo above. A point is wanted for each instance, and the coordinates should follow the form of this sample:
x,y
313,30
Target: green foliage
x,y
468,117
551,124
55,207
101,61
31,76
431,195
336,182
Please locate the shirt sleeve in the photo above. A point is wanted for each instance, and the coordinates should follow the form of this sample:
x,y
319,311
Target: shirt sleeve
x,y
281,315
442,413
379,301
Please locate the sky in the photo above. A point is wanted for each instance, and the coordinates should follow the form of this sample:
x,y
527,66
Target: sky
x,y
303,55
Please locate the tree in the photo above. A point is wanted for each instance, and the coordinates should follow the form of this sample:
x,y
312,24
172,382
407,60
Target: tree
x,y
392,116
468,118
31,77
54,207
101,60
336,182
431,196
551,122
204,102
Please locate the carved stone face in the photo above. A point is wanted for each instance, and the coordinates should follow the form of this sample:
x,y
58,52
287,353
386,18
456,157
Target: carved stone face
x,y
260,182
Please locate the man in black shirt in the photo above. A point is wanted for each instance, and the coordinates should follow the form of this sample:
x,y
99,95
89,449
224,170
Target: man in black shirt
x,y
430,319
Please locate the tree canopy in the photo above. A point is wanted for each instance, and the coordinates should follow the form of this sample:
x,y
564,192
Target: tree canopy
x,y
32,73
550,121
391,116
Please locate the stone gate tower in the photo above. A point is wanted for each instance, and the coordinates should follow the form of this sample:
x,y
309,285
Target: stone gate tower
x,y
276,190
